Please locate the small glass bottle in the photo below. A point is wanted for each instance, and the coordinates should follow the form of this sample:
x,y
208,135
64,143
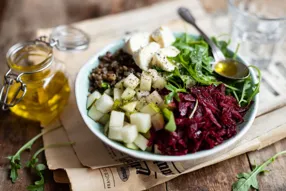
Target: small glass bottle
x,y
36,85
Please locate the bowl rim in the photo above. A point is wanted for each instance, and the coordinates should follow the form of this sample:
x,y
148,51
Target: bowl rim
x,y
148,155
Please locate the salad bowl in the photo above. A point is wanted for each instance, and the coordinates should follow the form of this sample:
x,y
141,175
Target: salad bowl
x,y
81,91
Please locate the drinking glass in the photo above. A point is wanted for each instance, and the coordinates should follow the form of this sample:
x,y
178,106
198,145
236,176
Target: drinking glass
x,y
258,26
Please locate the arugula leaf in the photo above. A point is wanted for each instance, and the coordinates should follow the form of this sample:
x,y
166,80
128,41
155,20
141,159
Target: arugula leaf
x,y
256,86
246,86
223,46
38,185
194,66
243,90
195,59
39,168
169,97
236,51
247,180
15,159
174,93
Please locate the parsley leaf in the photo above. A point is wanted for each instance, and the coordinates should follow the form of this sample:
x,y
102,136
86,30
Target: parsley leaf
x,y
247,180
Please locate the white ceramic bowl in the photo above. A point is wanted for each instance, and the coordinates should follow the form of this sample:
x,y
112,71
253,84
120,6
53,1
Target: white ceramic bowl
x,y
81,91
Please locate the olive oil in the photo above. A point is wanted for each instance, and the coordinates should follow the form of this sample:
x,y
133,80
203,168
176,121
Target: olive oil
x,y
45,98
226,68
47,87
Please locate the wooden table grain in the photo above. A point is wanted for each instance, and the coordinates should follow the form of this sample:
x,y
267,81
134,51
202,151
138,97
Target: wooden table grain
x,y
19,19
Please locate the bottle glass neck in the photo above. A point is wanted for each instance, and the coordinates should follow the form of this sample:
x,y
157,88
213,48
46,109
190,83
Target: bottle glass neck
x,y
29,57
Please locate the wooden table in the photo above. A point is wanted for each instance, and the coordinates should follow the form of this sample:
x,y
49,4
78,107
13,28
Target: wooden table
x,y
19,20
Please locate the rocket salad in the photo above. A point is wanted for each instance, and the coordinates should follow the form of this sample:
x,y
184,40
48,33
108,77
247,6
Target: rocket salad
x,y
159,94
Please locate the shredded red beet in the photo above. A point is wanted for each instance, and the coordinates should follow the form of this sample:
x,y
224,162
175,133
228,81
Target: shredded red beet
x,y
214,120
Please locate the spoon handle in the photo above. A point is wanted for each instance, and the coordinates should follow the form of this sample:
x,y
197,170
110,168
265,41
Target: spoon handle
x,y
188,17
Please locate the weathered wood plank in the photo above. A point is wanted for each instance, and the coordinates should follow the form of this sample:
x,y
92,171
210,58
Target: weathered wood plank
x,y
275,180
213,178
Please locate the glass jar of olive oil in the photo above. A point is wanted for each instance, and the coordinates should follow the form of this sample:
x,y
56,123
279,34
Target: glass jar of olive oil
x,y
36,85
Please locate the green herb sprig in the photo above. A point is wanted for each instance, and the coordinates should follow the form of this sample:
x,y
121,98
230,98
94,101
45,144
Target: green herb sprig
x,y
243,90
15,160
39,167
194,68
174,93
247,180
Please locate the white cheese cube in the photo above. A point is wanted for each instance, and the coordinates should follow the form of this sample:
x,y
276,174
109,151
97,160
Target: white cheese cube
x,y
104,119
131,146
140,94
117,93
163,36
115,133
154,97
94,114
116,119
128,94
150,109
153,73
120,84
159,83
92,98
142,121
104,103
146,82
144,56
131,81
141,103
129,133
141,142
129,107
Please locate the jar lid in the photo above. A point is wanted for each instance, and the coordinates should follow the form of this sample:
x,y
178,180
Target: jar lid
x,y
69,38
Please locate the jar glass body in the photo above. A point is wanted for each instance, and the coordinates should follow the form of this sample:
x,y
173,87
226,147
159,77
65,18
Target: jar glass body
x,y
47,85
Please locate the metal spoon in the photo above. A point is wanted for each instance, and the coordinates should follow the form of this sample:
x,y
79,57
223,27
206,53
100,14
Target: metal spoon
x,y
228,68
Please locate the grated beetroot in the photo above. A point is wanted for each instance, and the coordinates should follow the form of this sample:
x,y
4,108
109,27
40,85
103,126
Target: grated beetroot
x,y
215,120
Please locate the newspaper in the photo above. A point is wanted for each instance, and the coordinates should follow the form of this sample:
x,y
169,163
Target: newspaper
x,y
139,175
92,165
